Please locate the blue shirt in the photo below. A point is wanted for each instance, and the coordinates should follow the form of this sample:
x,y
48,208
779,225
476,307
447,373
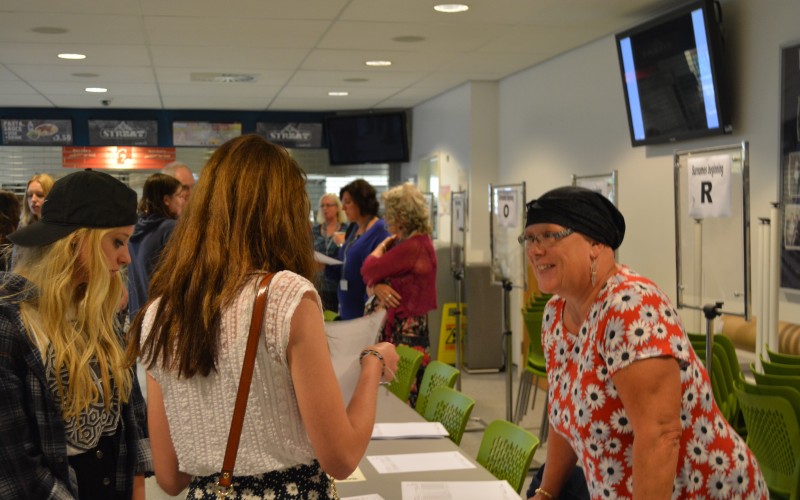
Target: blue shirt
x,y
353,253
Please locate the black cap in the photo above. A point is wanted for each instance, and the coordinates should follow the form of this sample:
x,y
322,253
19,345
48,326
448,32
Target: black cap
x,y
82,199
581,210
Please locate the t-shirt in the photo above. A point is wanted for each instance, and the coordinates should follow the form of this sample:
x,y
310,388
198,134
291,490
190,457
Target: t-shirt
x,y
631,320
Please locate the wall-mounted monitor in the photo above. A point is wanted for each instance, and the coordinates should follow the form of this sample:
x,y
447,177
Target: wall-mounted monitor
x,y
672,75
367,138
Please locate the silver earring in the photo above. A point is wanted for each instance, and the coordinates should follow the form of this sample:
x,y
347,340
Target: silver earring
x,y
593,270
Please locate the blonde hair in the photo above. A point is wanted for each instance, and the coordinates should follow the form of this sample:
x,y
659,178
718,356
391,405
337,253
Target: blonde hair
x,y
75,317
405,206
340,217
46,182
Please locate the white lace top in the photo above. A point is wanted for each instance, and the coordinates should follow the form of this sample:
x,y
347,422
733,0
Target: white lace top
x,y
199,409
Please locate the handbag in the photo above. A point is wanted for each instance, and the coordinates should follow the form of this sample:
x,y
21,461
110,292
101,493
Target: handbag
x,y
223,486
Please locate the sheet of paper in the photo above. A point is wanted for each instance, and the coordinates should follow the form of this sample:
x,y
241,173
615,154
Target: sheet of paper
x,y
373,496
416,462
346,339
405,430
356,477
324,259
458,490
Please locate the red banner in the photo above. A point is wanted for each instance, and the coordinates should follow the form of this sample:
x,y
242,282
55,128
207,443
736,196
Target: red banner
x,y
117,157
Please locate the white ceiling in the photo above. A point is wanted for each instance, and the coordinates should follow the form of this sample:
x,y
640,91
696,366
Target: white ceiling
x,y
145,51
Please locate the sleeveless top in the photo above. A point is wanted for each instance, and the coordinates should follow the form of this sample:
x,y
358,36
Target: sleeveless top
x,y
199,409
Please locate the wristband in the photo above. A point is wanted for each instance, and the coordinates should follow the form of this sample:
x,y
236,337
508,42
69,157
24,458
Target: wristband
x,y
544,493
373,352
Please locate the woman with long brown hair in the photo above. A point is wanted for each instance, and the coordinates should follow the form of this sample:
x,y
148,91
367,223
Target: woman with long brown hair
x,y
241,223
35,192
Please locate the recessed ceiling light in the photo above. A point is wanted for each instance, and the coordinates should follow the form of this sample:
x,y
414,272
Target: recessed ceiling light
x,y
72,56
85,75
408,38
98,90
451,8
49,30
378,63
338,94
355,80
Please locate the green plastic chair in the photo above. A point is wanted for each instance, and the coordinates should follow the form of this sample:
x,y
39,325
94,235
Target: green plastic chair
x,y
780,368
506,451
452,409
329,315
723,385
437,374
780,357
730,350
407,368
535,369
773,435
792,381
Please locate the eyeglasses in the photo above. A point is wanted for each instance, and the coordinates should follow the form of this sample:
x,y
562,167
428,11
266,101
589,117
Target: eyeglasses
x,y
545,240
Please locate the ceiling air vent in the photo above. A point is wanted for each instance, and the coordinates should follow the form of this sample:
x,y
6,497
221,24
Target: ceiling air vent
x,y
223,77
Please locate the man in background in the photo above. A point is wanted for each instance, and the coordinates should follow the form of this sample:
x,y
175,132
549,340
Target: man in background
x,y
183,173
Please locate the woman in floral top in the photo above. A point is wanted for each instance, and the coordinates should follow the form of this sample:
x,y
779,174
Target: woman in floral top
x,y
628,396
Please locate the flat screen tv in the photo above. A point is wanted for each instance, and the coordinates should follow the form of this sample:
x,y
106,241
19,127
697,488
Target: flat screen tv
x,y
672,75
367,138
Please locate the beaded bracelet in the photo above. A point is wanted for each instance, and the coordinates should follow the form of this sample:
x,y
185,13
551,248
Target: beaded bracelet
x,y
373,352
544,493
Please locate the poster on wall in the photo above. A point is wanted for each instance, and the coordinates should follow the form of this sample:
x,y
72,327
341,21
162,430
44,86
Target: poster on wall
x,y
292,135
204,133
21,132
117,157
123,133
790,166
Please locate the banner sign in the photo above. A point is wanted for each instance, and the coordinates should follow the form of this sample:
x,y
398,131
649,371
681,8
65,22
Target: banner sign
x,y
204,133
292,135
709,186
117,157
37,132
123,133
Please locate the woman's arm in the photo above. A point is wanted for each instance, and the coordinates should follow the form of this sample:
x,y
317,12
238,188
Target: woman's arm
x,y
400,260
338,435
165,460
650,390
559,463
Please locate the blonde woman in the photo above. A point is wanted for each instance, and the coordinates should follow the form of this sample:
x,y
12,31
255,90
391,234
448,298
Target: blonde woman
x,y
331,220
35,192
402,271
72,421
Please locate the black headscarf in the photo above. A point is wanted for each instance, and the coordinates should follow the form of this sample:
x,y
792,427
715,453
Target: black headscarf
x,y
581,210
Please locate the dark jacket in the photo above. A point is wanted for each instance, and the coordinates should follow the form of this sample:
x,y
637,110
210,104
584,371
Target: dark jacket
x,y
148,239
33,447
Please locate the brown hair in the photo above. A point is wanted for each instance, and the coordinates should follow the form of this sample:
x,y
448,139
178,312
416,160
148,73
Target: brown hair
x,y
243,217
155,188
363,195
46,182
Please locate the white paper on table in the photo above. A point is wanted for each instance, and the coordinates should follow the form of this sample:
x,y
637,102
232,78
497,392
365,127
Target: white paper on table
x,y
417,462
346,340
373,496
458,490
406,430
355,477
324,259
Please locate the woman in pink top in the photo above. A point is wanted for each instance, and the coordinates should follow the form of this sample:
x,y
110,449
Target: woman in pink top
x,y
401,272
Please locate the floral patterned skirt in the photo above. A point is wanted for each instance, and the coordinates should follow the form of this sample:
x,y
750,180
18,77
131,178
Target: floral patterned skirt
x,y
300,482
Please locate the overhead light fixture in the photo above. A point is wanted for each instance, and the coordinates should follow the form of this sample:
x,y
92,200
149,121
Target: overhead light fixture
x,y
72,56
451,8
97,90
378,63
338,94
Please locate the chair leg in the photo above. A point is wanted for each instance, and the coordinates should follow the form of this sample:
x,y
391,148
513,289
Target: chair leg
x,y
522,395
544,429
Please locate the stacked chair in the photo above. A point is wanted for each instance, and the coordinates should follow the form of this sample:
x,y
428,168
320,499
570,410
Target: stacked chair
x,y
452,409
437,374
726,377
535,365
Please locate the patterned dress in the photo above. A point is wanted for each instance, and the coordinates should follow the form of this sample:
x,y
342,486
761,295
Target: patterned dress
x,y
632,319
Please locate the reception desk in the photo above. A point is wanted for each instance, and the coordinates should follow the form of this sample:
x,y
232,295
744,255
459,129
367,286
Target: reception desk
x,y
391,409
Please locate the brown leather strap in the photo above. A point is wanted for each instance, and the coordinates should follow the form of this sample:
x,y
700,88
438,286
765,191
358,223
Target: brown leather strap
x,y
259,307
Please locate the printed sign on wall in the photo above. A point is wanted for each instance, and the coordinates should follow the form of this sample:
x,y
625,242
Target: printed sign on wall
x,y
37,132
709,186
292,135
117,157
123,133
507,211
204,133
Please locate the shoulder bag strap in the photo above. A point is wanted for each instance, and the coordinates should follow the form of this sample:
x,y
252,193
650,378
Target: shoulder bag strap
x,y
259,307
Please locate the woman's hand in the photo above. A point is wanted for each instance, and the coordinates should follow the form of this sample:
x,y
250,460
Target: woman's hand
x,y
387,295
384,246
